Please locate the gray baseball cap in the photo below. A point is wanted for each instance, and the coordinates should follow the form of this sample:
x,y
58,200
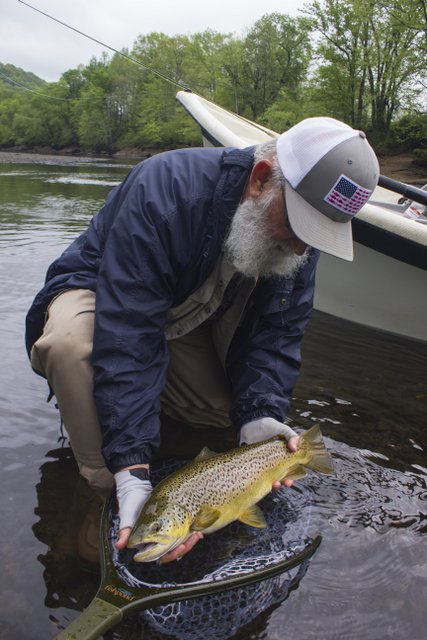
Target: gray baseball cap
x,y
330,172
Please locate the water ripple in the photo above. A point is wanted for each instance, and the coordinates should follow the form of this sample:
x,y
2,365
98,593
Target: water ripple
x,y
365,494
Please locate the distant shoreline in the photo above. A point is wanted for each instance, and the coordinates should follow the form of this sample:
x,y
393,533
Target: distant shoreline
x,y
38,157
399,166
25,157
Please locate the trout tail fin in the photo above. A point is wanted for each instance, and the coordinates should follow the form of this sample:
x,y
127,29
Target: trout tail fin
x,y
319,458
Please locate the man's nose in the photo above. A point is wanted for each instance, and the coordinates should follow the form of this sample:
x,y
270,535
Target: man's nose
x,y
297,245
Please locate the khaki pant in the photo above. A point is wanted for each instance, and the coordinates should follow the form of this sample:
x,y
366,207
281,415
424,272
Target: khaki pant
x,y
196,393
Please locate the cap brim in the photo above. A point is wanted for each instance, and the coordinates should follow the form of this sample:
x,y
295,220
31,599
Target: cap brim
x,y
317,230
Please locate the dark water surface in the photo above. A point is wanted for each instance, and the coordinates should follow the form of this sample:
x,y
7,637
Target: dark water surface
x,y
368,580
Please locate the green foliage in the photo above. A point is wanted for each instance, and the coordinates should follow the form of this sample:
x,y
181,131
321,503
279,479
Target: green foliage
x,y
276,53
8,109
370,61
13,78
286,110
410,132
357,60
420,157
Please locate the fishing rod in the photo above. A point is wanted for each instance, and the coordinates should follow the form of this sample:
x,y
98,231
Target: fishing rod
x,y
163,76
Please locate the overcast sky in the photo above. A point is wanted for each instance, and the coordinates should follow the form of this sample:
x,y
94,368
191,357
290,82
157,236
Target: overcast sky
x,y
35,43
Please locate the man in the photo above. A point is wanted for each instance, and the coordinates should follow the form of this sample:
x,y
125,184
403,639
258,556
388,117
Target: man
x,y
189,294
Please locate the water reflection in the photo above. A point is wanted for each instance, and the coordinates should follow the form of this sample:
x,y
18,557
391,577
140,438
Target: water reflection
x,y
368,391
62,502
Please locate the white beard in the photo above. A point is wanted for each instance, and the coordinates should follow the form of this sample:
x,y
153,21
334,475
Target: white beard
x,y
250,248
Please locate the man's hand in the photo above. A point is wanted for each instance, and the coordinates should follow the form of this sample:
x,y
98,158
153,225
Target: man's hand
x,y
265,428
182,549
292,446
133,491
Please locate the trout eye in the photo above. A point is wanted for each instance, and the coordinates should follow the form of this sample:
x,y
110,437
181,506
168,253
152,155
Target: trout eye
x,y
155,527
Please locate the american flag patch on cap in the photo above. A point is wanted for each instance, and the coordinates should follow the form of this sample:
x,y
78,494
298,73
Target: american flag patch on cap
x,y
347,196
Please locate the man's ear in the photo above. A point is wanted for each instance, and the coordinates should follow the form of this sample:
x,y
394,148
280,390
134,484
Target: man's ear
x,y
260,175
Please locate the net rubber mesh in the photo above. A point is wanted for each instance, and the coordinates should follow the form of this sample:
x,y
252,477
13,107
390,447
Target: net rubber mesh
x,y
235,550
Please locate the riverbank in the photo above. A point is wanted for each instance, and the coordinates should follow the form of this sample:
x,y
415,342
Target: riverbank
x,y
399,167
29,157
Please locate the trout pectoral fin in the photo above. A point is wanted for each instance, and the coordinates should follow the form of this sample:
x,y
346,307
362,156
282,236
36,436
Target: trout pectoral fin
x,y
295,472
205,454
205,518
254,517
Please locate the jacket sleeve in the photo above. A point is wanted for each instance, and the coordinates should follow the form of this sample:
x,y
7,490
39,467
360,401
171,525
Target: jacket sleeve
x,y
265,355
137,277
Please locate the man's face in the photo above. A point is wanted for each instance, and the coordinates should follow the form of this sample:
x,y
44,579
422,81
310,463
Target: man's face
x,y
261,242
278,225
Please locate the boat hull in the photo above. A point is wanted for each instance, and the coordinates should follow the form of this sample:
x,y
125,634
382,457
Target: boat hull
x,y
374,290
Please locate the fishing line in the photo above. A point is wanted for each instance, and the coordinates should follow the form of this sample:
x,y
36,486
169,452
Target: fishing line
x,y
163,76
107,46
37,93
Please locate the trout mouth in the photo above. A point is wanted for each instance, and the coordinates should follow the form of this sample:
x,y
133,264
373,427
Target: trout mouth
x,y
149,551
145,547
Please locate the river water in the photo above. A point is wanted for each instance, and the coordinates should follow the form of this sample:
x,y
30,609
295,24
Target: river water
x,y
367,389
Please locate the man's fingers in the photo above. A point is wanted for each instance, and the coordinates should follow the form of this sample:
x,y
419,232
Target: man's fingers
x,y
176,554
278,485
292,446
293,443
183,548
123,538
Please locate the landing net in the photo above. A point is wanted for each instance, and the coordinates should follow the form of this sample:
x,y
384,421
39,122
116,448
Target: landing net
x,y
236,550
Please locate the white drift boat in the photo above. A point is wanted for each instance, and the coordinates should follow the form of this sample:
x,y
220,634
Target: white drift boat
x,y
385,286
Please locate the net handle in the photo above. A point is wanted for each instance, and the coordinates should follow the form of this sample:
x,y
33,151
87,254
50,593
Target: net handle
x,y
97,618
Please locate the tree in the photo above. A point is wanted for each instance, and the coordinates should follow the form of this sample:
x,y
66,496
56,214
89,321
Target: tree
x,y
232,65
184,61
98,110
32,111
45,119
412,14
9,106
276,54
369,58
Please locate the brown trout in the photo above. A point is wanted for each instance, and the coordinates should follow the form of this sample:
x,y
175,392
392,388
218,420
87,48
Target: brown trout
x,y
218,488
